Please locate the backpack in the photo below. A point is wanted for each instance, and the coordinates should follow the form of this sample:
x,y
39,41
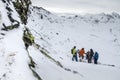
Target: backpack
x,y
96,55
72,50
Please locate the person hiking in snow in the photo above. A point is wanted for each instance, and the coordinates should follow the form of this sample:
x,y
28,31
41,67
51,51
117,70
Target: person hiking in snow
x,y
81,54
91,53
88,57
96,56
28,38
74,53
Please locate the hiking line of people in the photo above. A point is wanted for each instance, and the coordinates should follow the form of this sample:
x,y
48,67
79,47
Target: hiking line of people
x,y
28,39
89,55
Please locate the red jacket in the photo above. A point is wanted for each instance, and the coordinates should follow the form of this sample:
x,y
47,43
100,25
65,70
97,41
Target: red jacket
x,y
81,52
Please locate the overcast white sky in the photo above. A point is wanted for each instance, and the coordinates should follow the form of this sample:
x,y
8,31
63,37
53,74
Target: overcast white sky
x,y
79,6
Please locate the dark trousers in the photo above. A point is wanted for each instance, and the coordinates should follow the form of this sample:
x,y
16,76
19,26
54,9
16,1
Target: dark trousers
x,y
89,60
74,57
81,56
95,61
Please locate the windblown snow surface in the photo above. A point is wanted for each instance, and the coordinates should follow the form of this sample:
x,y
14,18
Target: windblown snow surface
x,y
58,34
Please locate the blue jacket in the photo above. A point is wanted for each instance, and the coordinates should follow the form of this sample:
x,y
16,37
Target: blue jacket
x,y
96,56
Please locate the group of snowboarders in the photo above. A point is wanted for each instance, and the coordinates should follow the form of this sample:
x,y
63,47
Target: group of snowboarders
x,y
90,55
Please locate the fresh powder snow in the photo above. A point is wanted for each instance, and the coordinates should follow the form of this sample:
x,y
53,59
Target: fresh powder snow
x,y
56,34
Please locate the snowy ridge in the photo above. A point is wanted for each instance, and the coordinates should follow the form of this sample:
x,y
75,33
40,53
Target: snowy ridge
x,y
95,18
54,38
7,9
14,60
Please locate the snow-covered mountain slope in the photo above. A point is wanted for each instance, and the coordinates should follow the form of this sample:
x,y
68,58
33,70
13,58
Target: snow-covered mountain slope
x,y
14,59
54,38
58,35
62,34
